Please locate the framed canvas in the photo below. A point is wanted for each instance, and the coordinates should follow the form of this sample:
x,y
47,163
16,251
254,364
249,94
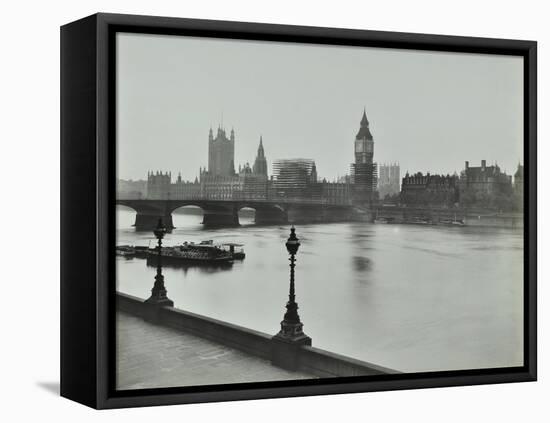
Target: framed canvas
x,y
257,211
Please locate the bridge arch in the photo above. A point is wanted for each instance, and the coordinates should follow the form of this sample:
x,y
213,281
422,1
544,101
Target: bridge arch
x,y
187,215
247,215
265,214
148,213
125,216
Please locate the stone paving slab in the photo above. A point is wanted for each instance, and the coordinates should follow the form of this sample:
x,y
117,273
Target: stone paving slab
x,y
153,356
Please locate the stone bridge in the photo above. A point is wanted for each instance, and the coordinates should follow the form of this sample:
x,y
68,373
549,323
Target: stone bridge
x,y
225,212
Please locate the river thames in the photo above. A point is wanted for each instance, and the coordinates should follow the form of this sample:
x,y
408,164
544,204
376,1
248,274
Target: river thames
x,y
413,298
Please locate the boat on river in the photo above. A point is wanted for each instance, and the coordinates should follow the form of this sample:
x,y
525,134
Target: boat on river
x,y
205,252
125,251
142,251
451,222
234,248
191,253
130,251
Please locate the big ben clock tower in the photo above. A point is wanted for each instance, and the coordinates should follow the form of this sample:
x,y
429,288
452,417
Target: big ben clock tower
x,y
363,168
364,144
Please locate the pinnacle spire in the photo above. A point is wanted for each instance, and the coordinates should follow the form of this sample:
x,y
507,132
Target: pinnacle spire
x,y
364,120
260,164
364,131
261,148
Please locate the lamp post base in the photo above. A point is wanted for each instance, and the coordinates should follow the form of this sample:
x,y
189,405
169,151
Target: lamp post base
x,y
162,302
286,345
292,331
154,306
158,293
285,352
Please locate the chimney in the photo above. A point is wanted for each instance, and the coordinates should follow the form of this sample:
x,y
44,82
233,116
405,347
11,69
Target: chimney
x,y
483,164
466,164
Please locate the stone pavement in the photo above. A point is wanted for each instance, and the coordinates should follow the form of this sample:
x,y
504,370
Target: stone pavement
x,y
152,356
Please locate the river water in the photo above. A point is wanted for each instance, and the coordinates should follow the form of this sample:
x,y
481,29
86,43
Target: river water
x,y
412,298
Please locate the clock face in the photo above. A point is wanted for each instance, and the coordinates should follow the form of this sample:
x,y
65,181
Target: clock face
x,y
370,147
359,147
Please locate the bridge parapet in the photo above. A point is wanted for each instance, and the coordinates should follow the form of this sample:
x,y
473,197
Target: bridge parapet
x,y
244,198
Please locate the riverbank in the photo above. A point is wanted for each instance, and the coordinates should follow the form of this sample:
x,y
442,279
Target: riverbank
x,y
449,217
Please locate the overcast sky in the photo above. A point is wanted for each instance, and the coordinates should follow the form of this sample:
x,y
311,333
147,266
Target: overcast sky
x,y
429,111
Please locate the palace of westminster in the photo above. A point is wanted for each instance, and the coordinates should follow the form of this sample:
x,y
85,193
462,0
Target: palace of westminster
x,y
297,179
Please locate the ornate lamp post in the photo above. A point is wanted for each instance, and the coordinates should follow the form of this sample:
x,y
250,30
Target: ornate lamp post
x,y
158,293
291,326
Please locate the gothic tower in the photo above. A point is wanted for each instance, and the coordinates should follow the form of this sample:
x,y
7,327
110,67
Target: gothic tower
x,y
363,168
260,164
221,153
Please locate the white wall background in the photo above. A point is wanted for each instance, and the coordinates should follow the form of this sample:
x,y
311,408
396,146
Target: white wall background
x,y
29,95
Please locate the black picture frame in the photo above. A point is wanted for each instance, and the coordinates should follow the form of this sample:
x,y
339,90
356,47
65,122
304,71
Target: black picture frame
x,y
88,198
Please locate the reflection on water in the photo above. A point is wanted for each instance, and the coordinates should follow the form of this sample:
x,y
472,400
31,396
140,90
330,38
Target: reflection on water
x,y
185,266
361,264
408,297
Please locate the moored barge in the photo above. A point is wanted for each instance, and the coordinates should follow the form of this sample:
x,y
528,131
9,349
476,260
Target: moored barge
x,y
189,253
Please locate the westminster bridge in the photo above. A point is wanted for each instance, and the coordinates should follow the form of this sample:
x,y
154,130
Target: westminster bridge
x,y
225,212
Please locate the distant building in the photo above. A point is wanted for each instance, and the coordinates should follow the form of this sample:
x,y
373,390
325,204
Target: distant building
x,y
518,180
134,190
363,170
484,186
216,183
260,164
344,179
336,192
298,179
221,153
294,178
218,187
254,180
420,190
516,203
185,189
389,180
158,185
219,181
